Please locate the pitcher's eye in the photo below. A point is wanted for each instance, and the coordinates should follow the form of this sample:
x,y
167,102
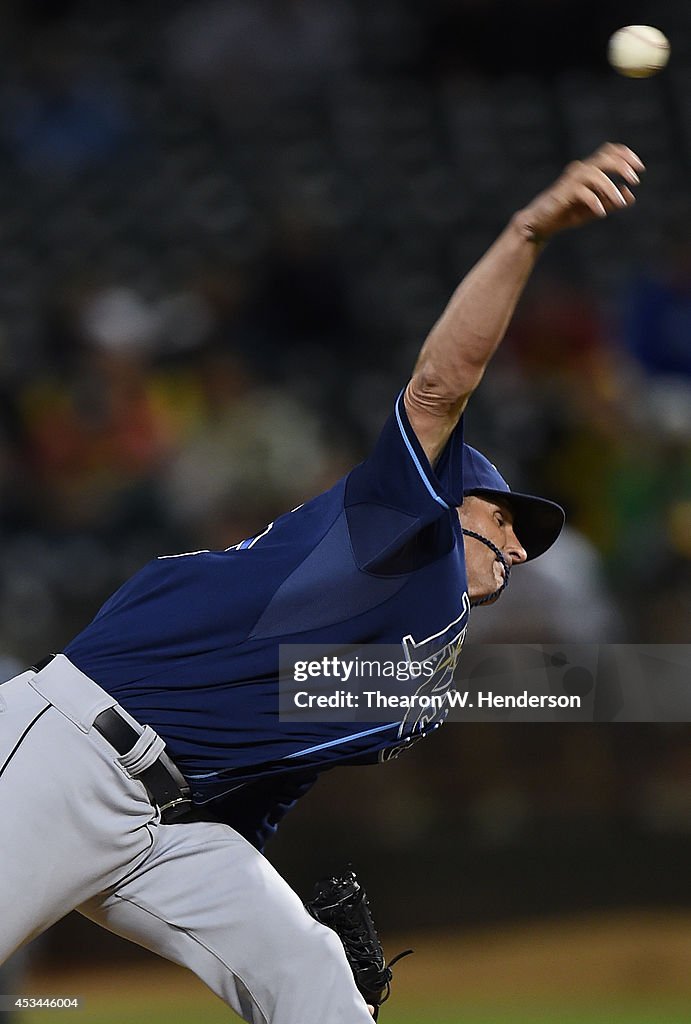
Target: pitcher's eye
x,y
499,517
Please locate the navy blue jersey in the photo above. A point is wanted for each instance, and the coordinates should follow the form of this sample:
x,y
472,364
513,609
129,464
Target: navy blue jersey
x,y
189,645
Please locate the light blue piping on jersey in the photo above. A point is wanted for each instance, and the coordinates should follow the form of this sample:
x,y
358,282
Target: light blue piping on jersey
x,y
311,750
415,459
343,739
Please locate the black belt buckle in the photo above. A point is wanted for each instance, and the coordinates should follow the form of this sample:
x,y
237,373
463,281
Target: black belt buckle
x,y
180,806
175,810
164,782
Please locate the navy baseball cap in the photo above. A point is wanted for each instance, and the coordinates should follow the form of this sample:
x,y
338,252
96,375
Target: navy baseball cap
x,y
537,521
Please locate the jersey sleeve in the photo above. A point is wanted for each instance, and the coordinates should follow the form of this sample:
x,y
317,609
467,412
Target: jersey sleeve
x,y
395,494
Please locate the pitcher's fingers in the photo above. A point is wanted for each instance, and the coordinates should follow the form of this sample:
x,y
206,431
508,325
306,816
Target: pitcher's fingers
x,y
617,151
585,195
606,189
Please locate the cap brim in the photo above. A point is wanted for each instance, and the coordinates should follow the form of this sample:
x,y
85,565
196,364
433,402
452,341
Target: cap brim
x,y
537,522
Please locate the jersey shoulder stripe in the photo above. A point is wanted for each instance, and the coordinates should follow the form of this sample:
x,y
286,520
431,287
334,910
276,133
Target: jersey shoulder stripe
x,y
416,461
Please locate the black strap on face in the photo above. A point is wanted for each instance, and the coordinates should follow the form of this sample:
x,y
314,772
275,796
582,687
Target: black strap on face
x,y
502,559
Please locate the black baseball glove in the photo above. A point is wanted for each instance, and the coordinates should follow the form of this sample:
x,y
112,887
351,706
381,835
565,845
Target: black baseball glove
x,y
340,903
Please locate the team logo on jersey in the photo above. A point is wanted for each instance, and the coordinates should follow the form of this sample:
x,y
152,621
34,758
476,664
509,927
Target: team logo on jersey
x,y
442,651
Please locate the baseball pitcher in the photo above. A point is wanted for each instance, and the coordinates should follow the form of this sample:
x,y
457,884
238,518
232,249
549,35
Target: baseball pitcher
x,y
143,769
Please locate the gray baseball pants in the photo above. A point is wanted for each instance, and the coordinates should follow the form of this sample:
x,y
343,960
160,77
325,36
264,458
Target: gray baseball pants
x,y
79,832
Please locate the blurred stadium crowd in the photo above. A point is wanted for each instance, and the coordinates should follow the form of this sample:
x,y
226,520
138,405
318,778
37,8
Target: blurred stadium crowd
x,y
225,229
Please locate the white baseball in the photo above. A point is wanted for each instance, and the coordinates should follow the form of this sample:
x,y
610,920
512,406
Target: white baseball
x,y
638,51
